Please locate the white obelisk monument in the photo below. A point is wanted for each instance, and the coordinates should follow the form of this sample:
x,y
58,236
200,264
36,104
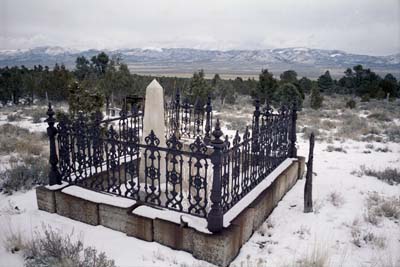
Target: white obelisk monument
x,y
154,120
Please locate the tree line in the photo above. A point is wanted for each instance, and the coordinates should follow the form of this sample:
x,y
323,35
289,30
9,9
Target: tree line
x,y
102,79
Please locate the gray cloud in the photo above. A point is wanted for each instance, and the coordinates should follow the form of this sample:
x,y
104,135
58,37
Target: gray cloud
x,y
358,26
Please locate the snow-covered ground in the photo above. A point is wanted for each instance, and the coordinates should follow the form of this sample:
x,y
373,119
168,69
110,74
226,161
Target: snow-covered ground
x,y
286,238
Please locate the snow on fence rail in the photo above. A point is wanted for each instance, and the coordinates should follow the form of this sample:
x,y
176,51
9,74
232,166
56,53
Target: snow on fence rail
x,y
205,177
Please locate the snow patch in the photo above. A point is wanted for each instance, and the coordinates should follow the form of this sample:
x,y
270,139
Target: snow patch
x,y
97,197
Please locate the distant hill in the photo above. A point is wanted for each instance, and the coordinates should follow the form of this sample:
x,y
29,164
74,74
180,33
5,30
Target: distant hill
x,y
183,61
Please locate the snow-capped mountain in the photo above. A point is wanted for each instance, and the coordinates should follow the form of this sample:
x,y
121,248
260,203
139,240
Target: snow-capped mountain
x,y
185,59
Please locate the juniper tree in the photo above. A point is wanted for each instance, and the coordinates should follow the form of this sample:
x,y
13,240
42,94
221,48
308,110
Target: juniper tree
x,y
266,87
315,98
199,88
325,82
305,85
287,94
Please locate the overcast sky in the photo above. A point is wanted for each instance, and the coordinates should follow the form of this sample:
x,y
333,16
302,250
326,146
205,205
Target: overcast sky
x,y
357,26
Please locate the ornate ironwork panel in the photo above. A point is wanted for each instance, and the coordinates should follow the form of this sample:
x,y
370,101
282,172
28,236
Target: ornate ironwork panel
x,y
198,171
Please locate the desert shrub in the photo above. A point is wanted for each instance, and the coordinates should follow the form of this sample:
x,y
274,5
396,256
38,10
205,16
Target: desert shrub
x,y
369,146
372,138
9,129
351,104
388,175
37,116
383,149
379,116
336,199
372,130
393,133
361,237
14,117
365,98
17,139
335,149
24,175
36,113
29,146
10,134
328,125
379,206
52,248
352,127
237,124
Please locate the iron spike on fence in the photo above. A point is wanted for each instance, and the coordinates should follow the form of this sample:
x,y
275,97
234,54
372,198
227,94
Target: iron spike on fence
x,y
215,216
54,173
207,136
256,116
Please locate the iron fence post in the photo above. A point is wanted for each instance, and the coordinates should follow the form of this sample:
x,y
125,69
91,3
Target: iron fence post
x,y
207,136
177,109
256,114
215,216
54,173
292,148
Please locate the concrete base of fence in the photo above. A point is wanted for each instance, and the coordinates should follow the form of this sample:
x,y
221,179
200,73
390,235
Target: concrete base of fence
x,y
140,227
77,208
46,197
219,249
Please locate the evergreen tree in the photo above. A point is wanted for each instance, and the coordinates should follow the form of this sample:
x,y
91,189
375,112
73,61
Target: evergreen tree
x,y
82,68
315,98
389,85
199,88
289,76
266,88
287,94
100,63
84,100
305,85
325,82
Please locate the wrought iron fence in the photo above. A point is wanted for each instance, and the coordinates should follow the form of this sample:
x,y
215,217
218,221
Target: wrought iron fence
x,y
205,176
188,120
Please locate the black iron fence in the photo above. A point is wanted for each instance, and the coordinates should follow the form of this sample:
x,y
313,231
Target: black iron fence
x,y
203,176
188,120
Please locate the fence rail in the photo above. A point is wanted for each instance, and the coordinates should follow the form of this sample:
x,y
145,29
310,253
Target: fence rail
x,y
204,177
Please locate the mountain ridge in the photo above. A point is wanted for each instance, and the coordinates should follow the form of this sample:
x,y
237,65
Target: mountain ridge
x,y
168,60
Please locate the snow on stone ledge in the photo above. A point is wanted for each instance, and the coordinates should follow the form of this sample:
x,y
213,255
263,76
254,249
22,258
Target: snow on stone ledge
x,y
57,186
199,224
97,197
255,192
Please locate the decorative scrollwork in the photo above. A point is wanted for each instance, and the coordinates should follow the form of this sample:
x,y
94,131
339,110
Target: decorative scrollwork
x,y
152,139
198,146
174,163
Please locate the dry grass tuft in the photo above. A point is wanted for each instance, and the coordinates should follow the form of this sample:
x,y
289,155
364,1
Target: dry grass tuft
x,y
319,257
